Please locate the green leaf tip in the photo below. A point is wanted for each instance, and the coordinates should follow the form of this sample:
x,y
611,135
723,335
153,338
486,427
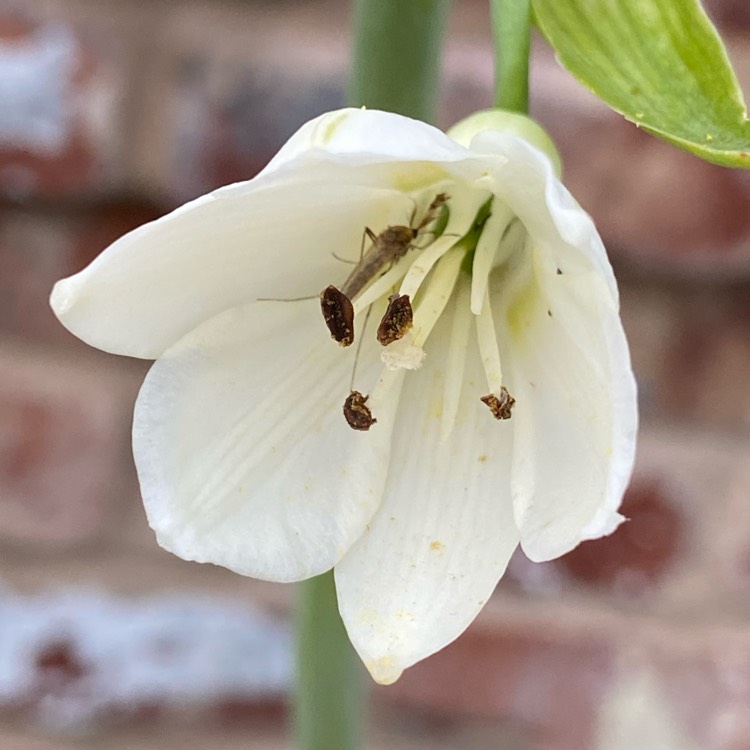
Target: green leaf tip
x,y
661,64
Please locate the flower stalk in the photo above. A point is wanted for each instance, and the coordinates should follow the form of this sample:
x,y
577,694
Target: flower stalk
x,y
511,37
396,67
396,59
329,699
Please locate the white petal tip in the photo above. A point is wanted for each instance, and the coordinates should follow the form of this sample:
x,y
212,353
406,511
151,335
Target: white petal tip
x,y
603,524
384,670
62,297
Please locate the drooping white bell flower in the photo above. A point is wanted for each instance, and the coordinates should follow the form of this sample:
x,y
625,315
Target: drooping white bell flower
x,y
244,454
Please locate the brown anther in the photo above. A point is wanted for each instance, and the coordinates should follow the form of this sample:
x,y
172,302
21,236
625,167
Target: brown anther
x,y
357,413
397,321
501,405
338,313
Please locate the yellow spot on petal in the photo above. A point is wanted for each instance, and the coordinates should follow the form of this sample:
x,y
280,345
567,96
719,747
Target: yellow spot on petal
x,y
403,614
482,458
437,546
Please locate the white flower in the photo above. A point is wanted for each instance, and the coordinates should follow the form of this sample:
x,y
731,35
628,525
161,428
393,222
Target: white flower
x,y
244,456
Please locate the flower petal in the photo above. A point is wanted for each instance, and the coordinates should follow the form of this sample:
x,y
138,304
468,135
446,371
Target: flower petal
x,y
266,238
575,414
369,136
442,537
525,180
243,454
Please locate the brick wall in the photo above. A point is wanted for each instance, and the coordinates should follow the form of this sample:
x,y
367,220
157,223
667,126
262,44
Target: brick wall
x,y
113,112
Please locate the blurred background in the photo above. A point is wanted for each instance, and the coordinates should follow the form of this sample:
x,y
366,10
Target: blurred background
x,y
113,112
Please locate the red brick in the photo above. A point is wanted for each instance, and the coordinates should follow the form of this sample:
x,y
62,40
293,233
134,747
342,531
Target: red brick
x,y
63,447
706,678
39,247
81,660
730,16
653,317
706,363
637,555
62,132
534,675
680,507
10,740
231,84
553,668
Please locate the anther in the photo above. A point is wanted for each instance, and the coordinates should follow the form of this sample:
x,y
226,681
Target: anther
x,y
397,321
501,405
356,412
338,314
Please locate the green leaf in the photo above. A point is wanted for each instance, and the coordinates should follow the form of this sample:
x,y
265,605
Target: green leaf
x,y
660,63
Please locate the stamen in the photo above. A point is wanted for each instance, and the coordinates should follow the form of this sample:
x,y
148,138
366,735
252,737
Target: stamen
x,y
423,265
488,349
356,412
457,351
501,405
498,399
437,294
397,321
338,314
403,354
463,210
382,285
487,248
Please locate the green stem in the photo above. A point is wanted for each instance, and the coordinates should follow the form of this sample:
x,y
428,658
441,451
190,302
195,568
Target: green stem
x,y
511,36
397,46
330,696
397,68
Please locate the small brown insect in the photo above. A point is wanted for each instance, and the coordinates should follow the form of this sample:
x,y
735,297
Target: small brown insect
x,y
338,314
386,248
356,412
397,321
500,406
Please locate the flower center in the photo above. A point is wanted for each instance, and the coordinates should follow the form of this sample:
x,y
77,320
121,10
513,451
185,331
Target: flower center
x,y
417,268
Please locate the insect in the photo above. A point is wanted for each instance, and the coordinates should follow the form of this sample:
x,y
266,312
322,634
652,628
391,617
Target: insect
x,y
386,248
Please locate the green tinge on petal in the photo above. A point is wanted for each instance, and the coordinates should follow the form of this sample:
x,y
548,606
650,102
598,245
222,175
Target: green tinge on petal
x,y
509,122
